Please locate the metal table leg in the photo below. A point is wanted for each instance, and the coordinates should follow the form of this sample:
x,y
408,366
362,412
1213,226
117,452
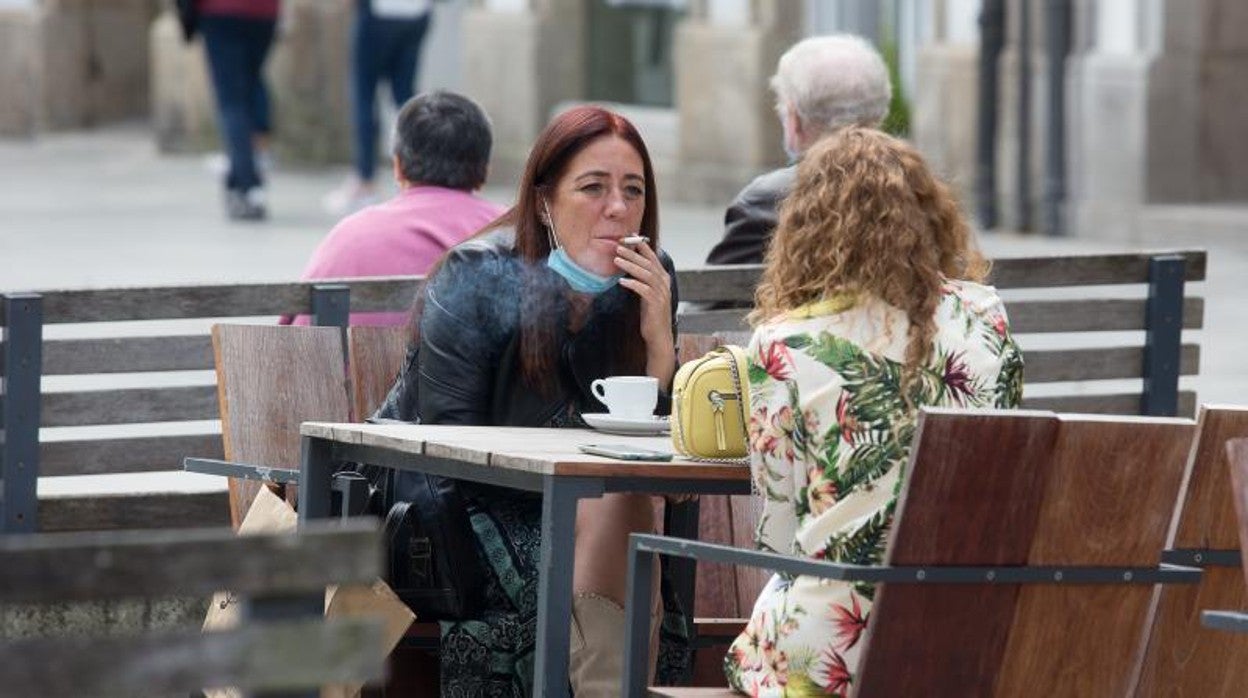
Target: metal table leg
x,y
317,462
554,596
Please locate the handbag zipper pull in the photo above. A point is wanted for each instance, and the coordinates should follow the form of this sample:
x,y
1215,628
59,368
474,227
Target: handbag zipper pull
x,y
717,406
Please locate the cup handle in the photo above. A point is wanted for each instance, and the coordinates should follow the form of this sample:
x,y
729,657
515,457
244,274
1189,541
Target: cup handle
x,y
599,391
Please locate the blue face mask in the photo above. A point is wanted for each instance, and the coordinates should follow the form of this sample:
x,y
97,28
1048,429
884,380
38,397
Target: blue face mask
x,y
579,278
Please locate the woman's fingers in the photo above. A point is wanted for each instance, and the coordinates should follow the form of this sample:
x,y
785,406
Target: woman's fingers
x,y
643,265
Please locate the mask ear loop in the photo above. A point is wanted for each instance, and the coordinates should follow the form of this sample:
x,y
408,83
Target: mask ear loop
x,y
550,227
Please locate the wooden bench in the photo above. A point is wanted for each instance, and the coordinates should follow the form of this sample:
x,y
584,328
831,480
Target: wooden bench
x,y
139,357
284,645
995,506
155,340
1062,309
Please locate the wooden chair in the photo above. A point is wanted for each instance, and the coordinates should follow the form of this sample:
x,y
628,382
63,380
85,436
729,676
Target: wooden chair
x,y
278,648
1004,490
269,380
375,355
272,378
1182,657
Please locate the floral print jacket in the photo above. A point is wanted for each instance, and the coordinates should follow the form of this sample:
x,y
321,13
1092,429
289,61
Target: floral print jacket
x,y
830,431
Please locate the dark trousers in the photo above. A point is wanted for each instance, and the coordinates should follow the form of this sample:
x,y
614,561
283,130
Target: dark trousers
x,y
237,48
381,48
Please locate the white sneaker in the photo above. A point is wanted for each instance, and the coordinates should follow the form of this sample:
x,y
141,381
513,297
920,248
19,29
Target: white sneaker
x,y
219,163
350,197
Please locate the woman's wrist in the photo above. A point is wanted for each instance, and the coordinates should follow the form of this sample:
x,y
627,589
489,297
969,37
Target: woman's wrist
x,y
662,364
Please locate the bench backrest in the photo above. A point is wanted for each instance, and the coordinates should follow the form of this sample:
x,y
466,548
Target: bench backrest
x,y
1062,309
270,650
1024,488
1183,656
271,378
104,393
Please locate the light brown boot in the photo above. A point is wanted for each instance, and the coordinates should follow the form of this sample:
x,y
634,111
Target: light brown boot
x,y
596,657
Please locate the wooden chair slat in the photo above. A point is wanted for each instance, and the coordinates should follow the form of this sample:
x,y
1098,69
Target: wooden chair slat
x,y
376,358
392,294
1039,316
129,406
750,580
1115,403
124,455
270,379
715,587
107,512
1182,657
1237,458
175,302
258,657
1086,269
118,564
735,283
710,321
1052,366
977,479
1108,500
127,355
1093,315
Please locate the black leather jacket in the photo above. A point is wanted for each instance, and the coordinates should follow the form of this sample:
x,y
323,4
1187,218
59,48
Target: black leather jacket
x,y
466,368
752,217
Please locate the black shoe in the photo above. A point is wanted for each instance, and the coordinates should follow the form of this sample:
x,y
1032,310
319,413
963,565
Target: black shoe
x,y
245,205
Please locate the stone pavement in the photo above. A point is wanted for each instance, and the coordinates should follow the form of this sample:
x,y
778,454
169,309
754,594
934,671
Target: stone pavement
x,y
103,208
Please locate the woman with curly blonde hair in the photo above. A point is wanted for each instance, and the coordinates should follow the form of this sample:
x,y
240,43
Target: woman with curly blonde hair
x,y
870,307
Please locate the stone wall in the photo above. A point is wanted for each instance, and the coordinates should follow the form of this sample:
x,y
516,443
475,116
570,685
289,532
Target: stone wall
x,y
70,64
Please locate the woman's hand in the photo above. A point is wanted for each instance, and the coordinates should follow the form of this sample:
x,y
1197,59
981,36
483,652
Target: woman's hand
x,y
650,281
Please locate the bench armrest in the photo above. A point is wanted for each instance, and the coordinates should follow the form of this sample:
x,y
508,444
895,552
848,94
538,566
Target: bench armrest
x,y
225,468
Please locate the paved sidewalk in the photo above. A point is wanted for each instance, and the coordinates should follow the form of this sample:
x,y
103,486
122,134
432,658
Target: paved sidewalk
x,y
103,208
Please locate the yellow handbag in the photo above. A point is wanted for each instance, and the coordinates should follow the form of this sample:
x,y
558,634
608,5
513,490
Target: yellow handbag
x,y
711,406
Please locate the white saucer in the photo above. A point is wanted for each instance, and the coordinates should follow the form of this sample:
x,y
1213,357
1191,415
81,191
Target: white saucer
x,y
645,426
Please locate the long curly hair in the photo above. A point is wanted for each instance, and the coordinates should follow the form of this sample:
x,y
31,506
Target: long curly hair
x,y
868,216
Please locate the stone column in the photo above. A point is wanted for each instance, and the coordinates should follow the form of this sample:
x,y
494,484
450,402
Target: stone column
x,y
1009,121
726,51
521,59
70,64
1158,113
943,119
1108,115
21,79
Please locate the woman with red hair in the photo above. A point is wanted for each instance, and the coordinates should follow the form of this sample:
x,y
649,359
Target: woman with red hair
x,y
511,330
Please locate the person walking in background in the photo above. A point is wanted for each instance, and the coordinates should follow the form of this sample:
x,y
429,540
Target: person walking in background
x,y
870,307
441,156
822,84
237,37
385,43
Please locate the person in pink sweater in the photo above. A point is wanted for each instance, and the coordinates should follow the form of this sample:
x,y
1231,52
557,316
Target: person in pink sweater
x,y
441,157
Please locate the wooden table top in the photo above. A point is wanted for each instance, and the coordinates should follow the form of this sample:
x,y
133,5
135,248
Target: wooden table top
x,y
542,451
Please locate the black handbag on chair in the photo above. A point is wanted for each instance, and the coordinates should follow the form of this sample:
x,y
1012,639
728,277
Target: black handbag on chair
x,y
432,556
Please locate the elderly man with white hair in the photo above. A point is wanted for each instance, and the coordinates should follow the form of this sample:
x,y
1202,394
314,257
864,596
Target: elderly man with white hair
x,y
822,84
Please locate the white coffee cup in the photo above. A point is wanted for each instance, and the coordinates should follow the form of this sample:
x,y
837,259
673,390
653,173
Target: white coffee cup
x,y
630,397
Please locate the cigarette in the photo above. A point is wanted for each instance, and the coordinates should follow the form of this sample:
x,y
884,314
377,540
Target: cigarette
x,y
634,240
